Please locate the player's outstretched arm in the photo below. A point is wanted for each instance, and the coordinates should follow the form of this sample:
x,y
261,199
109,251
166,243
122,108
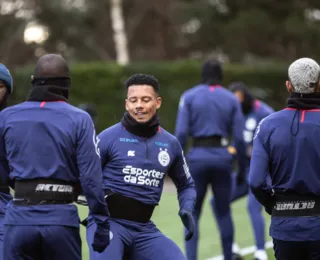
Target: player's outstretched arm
x,y
179,173
89,166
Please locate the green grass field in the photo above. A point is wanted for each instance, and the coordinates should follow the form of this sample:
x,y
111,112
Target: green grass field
x,y
168,221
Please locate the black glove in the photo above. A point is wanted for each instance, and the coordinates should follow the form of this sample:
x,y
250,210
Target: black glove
x,y
268,210
188,222
241,177
101,238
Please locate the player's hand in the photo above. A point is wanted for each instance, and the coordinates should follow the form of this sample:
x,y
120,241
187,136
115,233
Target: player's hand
x,y
241,177
268,210
101,239
188,222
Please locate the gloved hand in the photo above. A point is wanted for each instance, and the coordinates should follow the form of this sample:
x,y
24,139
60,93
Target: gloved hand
x,y
101,238
268,210
241,177
188,222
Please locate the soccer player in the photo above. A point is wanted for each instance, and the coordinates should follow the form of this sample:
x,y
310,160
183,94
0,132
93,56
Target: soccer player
x,y
136,155
254,111
6,88
210,114
50,150
286,149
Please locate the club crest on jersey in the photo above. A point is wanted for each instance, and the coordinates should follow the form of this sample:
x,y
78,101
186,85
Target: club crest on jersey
x,y
164,157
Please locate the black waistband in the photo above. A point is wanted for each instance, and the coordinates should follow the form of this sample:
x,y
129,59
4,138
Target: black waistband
x,y
128,208
294,205
4,189
210,141
43,191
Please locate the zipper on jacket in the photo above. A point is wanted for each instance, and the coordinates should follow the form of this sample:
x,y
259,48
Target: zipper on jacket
x,y
147,150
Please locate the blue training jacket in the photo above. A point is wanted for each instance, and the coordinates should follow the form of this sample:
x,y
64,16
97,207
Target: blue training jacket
x,y
259,111
292,162
207,111
135,167
51,140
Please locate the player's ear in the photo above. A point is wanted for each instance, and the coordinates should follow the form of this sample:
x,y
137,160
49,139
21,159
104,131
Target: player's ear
x,y
318,88
289,86
159,101
126,104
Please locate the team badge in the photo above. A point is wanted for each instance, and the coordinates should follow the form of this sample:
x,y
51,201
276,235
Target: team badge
x,y
163,157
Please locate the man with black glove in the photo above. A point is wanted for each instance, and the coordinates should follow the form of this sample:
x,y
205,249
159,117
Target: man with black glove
x,y
136,155
48,149
286,150
254,111
210,114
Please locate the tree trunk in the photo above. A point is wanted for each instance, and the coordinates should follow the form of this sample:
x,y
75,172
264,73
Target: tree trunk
x,y
119,33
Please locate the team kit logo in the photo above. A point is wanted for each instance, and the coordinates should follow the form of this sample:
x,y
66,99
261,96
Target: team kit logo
x,y
142,176
146,176
164,157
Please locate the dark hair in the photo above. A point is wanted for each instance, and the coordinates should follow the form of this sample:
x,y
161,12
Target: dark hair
x,y
212,72
143,79
238,86
51,65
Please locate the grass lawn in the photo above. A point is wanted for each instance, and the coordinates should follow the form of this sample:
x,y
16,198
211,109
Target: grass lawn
x,y
168,221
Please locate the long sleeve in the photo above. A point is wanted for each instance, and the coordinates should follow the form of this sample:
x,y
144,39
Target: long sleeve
x,y
179,173
89,165
238,128
182,122
4,164
259,168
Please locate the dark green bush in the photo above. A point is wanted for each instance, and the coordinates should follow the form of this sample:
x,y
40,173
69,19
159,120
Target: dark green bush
x,y
103,84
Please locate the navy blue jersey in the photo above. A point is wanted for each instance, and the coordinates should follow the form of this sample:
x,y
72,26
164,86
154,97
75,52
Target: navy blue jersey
x,y
5,197
51,140
208,111
135,167
293,165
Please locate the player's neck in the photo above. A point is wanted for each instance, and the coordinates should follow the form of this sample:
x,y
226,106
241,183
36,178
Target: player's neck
x,y
304,101
147,129
48,93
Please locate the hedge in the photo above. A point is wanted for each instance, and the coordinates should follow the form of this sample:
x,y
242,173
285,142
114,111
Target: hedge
x,y
103,85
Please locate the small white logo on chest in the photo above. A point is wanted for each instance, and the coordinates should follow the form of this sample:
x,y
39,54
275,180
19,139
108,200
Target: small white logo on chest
x,y
131,153
164,157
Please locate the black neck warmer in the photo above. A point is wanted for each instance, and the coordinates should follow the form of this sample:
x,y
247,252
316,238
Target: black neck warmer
x,y
147,129
50,89
302,101
211,82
